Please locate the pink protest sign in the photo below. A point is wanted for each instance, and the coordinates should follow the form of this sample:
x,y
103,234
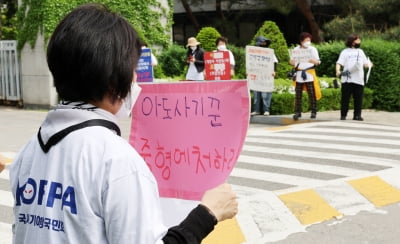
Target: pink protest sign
x,y
191,133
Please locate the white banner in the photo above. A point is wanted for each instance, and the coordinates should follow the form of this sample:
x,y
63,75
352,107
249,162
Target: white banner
x,y
301,55
259,68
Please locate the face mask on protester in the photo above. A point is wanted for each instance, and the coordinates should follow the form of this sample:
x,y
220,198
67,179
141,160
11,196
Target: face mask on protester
x,y
221,47
306,44
357,45
128,103
193,48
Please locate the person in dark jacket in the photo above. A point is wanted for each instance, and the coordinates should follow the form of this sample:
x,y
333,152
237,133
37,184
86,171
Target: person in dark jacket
x,y
195,59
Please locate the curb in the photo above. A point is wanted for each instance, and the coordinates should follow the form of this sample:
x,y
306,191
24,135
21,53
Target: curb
x,y
280,120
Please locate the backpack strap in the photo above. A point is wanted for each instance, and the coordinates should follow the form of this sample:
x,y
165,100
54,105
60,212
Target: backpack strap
x,y
54,139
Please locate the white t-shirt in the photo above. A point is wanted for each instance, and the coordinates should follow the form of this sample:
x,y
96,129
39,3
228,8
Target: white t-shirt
x,y
231,57
193,74
313,54
91,187
353,60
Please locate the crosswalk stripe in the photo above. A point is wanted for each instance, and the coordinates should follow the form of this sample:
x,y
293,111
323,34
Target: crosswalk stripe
x,y
326,155
273,220
309,207
344,132
275,177
376,190
6,157
327,145
345,198
227,230
304,166
359,126
6,198
5,174
5,233
332,139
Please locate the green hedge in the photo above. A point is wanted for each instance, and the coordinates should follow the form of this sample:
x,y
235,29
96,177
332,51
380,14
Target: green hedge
x,y
385,75
283,103
172,62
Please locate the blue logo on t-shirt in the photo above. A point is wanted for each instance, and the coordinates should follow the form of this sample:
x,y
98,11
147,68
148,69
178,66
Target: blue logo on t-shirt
x,y
46,193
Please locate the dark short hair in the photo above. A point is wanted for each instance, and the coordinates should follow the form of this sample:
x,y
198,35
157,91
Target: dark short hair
x,y
350,39
93,52
304,35
221,38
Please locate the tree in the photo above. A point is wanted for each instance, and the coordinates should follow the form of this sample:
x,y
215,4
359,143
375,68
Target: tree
x,y
207,37
271,31
366,17
41,17
190,15
305,9
8,9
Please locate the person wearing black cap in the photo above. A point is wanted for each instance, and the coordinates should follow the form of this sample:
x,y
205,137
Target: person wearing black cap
x,y
266,96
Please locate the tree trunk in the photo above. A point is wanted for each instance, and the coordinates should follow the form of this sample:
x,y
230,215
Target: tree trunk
x,y
190,15
305,9
218,10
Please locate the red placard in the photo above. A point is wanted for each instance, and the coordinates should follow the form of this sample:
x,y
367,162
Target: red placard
x,y
217,65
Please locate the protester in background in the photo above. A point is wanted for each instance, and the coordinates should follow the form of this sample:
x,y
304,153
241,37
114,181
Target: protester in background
x,y
77,180
266,96
195,59
221,43
154,60
353,61
306,76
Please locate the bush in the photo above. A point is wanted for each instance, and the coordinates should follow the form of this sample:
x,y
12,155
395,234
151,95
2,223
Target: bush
x,y
333,30
271,31
385,75
173,61
284,103
207,37
240,60
158,72
392,34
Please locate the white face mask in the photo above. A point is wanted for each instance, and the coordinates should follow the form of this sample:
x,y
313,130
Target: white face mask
x,y
306,44
221,47
193,48
128,103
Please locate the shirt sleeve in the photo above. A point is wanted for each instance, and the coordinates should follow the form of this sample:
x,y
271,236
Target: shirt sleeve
x,y
193,229
341,58
316,54
364,57
231,58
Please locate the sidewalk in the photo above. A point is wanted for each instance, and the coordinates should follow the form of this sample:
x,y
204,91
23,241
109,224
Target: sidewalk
x,y
370,116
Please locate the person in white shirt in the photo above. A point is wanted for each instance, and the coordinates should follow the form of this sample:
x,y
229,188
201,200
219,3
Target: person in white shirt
x,y
221,43
305,76
154,60
77,180
353,61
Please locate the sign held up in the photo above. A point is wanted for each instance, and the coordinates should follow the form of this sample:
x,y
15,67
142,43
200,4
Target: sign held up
x,y
144,70
190,134
259,68
217,65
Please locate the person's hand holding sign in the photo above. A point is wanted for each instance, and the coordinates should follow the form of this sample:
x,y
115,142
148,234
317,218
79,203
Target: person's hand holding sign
x,y
221,201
